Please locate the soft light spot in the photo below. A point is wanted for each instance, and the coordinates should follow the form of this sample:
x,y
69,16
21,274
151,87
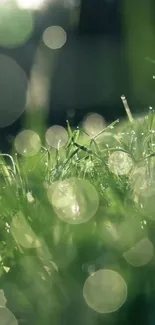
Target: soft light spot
x,y
56,136
30,4
120,163
122,234
6,269
22,232
13,87
89,268
6,317
7,225
29,238
74,3
89,166
142,178
105,291
38,88
93,124
140,254
16,25
54,37
53,267
27,143
74,200
30,198
109,231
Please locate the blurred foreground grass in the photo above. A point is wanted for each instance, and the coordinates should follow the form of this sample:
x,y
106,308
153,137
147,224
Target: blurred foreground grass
x,y
68,212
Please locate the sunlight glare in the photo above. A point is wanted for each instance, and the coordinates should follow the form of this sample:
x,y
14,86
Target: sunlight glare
x,y
30,4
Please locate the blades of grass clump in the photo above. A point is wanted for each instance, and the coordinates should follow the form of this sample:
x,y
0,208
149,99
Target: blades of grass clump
x,y
66,162
90,152
87,150
73,137
76,135
12,161
127,109
18,175
151,130
151,118
70,132
111,125
5,173
83,148
38,161
57,158
96,147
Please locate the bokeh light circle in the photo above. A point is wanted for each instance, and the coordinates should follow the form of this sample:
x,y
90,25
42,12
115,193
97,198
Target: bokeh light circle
x,y
142,178
16,25
54,37
120,163
123,234
13,88
93,124
105,291
56,136
74,200
140,254
27,143
22,232
6,317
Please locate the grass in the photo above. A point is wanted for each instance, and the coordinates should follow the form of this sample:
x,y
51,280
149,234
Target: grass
x,y
48,278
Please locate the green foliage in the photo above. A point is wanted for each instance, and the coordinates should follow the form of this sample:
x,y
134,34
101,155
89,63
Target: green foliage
x,y
47,280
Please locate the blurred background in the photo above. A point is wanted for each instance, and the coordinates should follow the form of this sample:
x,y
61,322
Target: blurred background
x,y
62,59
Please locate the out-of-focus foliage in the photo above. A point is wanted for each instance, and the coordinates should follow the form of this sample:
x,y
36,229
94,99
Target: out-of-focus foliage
x,y
45,258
